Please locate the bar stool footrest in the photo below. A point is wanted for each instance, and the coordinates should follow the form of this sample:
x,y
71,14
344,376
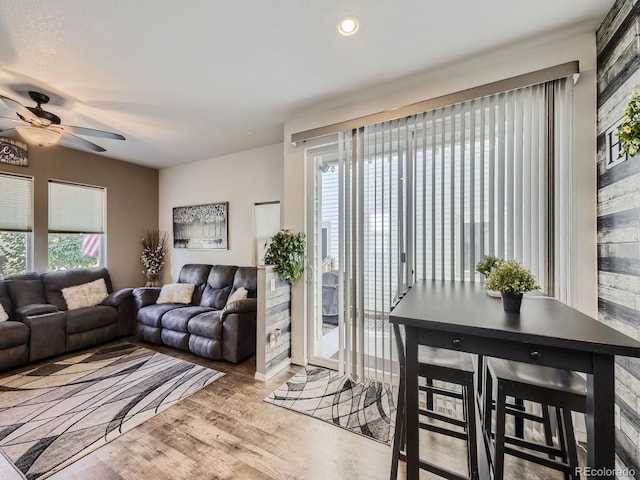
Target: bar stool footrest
x,y
546,462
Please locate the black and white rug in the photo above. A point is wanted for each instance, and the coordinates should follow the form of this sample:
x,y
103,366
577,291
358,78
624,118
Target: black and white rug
x,y
52,415
367,408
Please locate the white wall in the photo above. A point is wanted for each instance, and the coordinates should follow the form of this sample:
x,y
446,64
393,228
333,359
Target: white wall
x,y
495,65
241,179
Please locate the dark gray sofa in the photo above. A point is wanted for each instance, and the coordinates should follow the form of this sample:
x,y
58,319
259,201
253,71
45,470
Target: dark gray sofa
x,y
41,326
208,326
14,335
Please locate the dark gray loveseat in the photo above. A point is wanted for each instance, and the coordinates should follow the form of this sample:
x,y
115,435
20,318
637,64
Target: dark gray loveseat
x,y
207,326
41,326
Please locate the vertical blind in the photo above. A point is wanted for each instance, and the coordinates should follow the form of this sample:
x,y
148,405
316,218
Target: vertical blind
x,y
16,198
481,185
427,196
76,208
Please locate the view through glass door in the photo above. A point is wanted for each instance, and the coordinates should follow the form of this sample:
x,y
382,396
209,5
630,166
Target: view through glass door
x,y
323,231
357,259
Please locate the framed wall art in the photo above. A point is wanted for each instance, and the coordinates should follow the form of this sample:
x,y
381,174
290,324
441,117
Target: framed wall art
x,y
13,152
201,226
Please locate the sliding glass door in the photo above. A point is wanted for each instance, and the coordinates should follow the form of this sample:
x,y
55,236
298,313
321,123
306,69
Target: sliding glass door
x,y
357,192
427,196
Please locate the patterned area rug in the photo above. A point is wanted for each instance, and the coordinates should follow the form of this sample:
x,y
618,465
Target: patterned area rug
x,y
52,415
366,408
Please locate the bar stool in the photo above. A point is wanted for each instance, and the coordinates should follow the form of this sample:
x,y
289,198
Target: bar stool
x,y
562,389
446,366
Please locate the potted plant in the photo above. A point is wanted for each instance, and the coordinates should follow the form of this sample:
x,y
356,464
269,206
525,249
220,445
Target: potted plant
x,y
286,253
484,267
511,279
154,248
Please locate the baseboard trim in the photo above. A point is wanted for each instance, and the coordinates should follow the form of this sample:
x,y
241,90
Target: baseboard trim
x,y
298,361
263,377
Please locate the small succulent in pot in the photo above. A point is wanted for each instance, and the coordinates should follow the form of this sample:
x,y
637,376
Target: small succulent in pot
x,y
512,280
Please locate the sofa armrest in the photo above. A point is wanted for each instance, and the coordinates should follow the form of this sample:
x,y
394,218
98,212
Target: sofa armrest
x,y
246,305
34,310
238,336
116,298
146,296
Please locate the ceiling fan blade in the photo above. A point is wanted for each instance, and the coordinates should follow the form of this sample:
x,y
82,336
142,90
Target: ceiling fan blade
x,y
88,131
71,140
11,132
11,119
22,111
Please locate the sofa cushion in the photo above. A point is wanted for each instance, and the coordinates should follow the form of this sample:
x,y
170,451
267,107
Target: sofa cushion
x,y
25,289
151,315
178,318
218,286
89,318
196,273
3,315
207,324
87,294
239,294
246,277
54,282
13,334
176,293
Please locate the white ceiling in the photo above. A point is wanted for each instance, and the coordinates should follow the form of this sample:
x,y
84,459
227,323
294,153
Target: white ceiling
x,y
186,80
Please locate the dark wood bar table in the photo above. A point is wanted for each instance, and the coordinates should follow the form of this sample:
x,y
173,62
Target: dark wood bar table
x,y
461,316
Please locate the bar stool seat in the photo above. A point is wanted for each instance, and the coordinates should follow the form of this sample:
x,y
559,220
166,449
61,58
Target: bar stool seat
x,y
446,366
563,389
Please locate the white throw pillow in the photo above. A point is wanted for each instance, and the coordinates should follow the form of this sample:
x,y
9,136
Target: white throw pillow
x,y
239,294
86,294
176,293
3,315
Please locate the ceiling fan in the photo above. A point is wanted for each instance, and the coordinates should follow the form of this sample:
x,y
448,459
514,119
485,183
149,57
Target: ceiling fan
x,y
43,128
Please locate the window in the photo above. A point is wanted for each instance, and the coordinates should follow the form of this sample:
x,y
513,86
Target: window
x,y
267,224
76,226
16,221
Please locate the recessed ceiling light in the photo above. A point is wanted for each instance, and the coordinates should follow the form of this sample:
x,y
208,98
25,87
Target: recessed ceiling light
x,y
348,26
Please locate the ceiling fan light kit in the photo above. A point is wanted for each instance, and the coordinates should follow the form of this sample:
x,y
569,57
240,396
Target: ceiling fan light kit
x,y
38,135
39,127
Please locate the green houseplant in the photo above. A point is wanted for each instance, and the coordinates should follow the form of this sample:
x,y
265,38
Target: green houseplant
x,y
484,267
488,263
511,279
286,253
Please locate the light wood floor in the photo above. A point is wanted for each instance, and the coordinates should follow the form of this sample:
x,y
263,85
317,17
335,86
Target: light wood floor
x,y
226,431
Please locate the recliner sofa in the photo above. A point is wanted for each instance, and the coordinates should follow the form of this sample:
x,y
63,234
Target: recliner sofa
x,y
207,326
40,325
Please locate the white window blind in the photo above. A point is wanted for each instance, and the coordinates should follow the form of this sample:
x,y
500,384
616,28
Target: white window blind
x,y
75,208
16,200
267,224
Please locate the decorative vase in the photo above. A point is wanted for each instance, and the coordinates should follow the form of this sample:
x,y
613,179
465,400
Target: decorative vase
x,y
153,280
511,302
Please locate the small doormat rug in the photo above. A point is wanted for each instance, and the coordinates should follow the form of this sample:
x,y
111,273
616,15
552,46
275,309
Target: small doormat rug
x,y
367,408
52,415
